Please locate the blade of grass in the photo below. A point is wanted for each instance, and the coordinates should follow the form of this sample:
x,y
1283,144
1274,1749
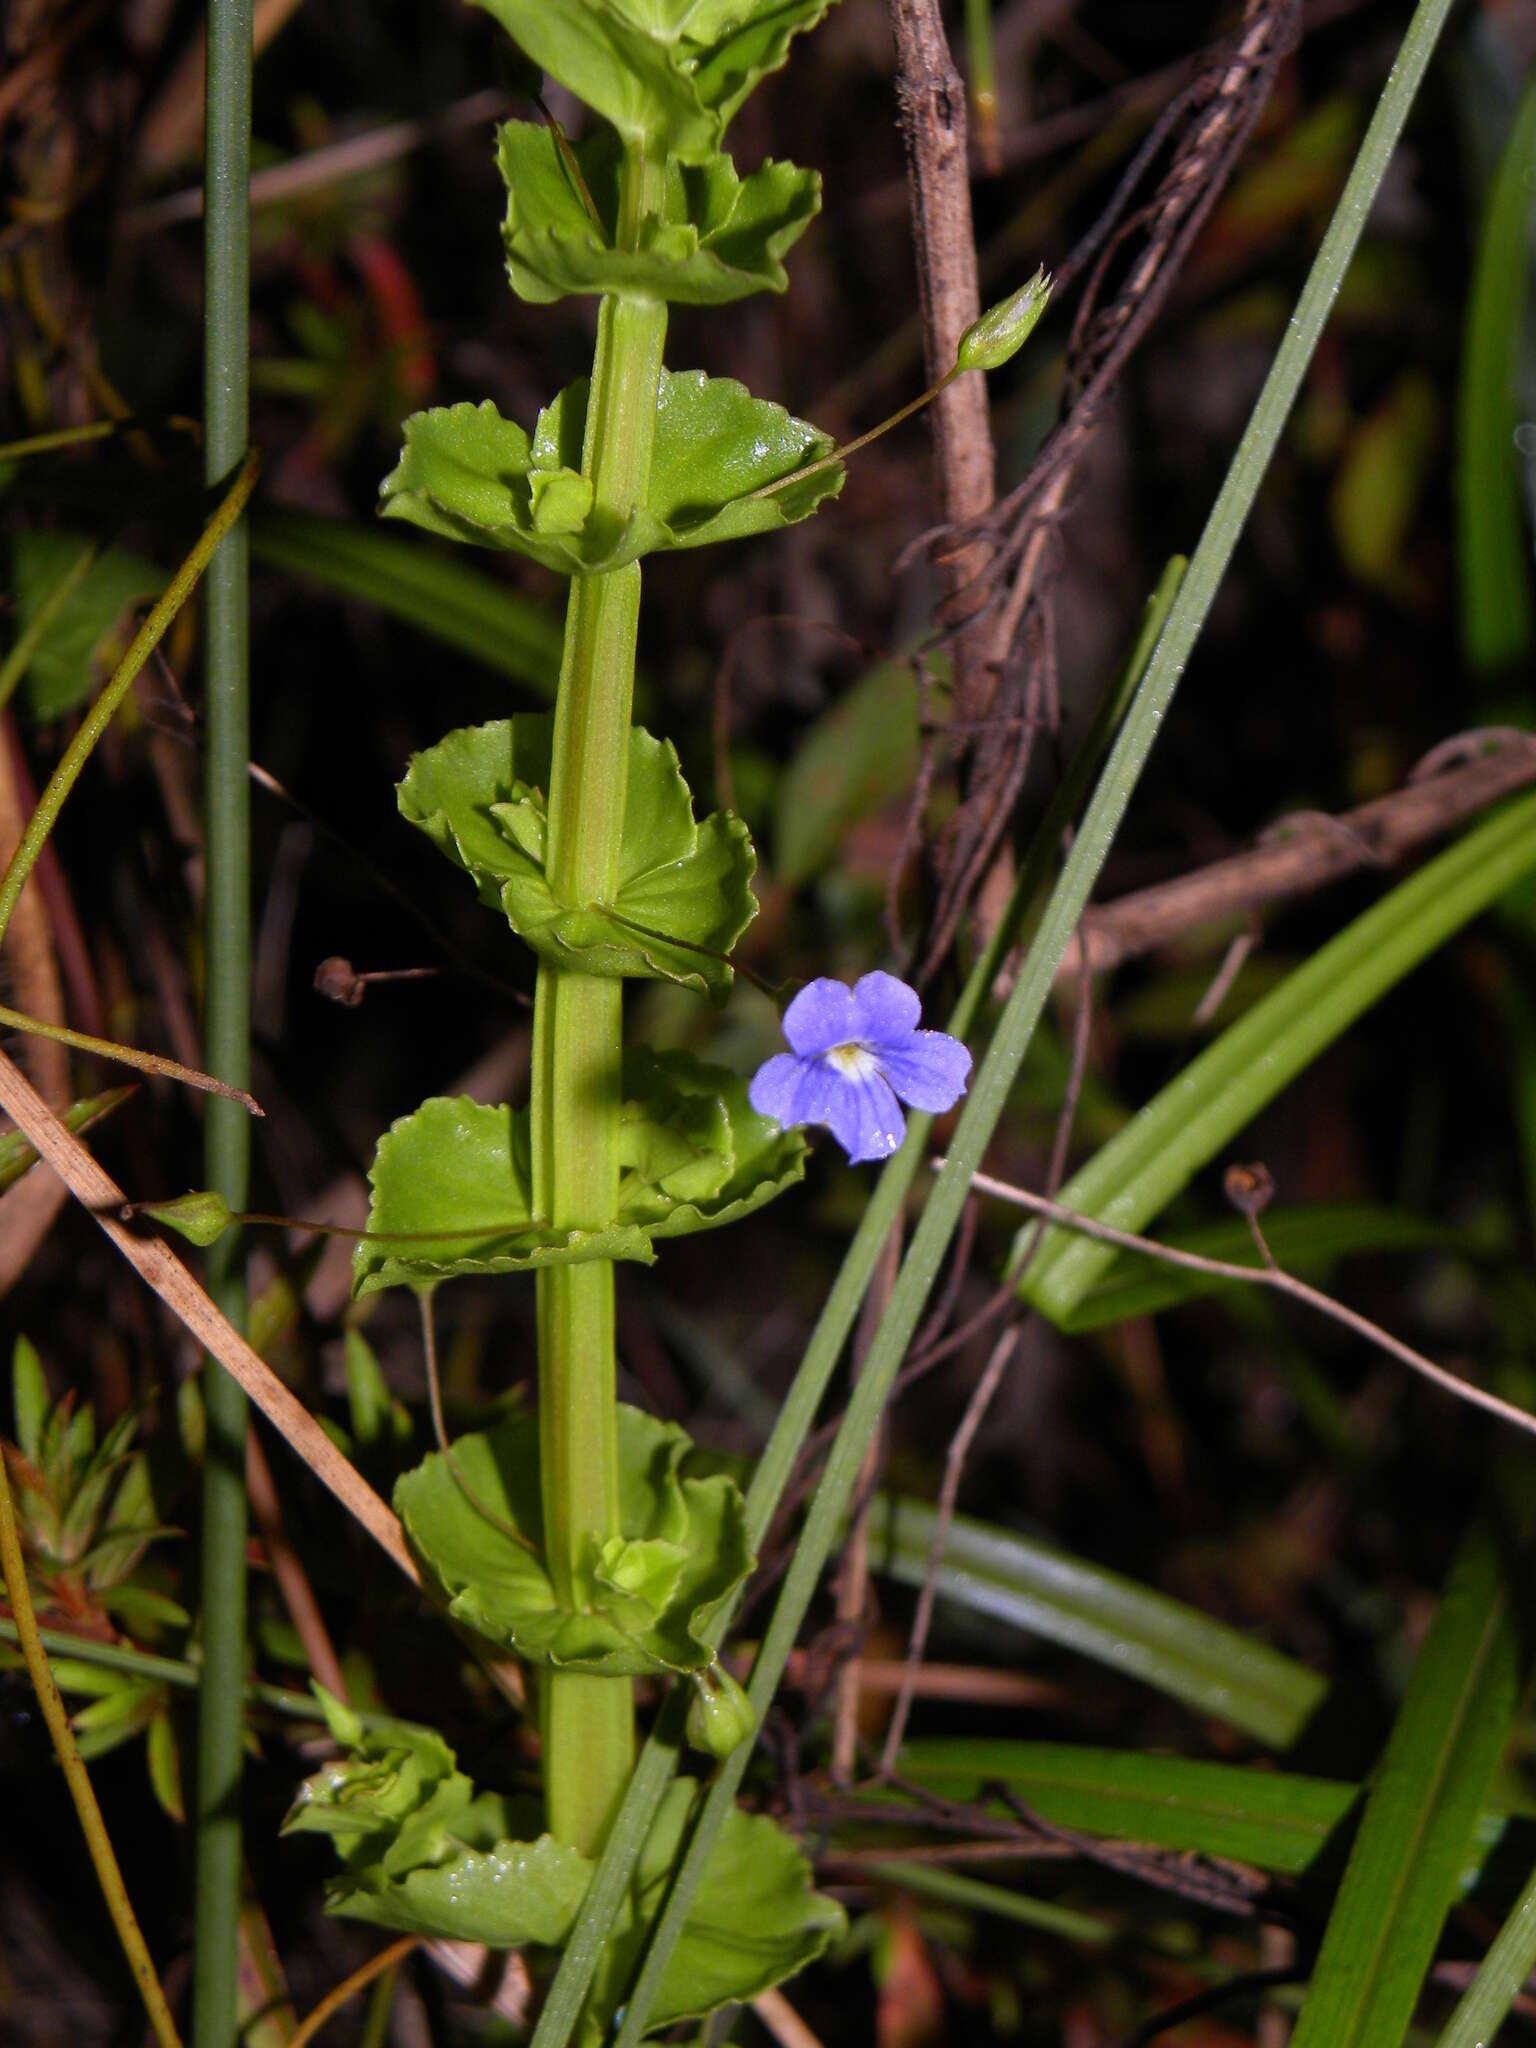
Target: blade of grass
x,y
973,1896
1494,545
658,1759
226,1018
433,592
1030,993
1132,1178
1403,1873
1481,2010
1279,1821
1214,1669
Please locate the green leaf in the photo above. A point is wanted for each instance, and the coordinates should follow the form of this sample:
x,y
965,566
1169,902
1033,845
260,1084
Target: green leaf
x,y
1494,541
645,1598
1133,1178
668,1093
721,236
29,1399
1303,1240
468,474
683,888
668,74
457,1174
62,671
1276,1820
1212,1668
1483,2006
438,594
1404,1871
755,1920
162,1754
858,756
428,1853
456,1177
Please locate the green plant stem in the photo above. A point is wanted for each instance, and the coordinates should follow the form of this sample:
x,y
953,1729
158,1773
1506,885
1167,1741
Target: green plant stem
x,y
587,1722
113,1890
102,712
1031,992
659,1759
226,1018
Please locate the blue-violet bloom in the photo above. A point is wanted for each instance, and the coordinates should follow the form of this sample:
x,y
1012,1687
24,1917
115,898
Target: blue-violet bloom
x,y
854,1050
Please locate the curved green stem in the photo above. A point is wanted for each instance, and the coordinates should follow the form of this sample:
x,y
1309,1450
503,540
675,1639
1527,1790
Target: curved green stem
x,y
588,1723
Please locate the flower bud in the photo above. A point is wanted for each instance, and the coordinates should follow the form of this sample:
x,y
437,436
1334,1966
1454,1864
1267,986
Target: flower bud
x,y
1003,329
721,1715
201,1217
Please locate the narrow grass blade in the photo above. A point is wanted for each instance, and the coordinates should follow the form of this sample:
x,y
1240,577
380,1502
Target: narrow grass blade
x,y
1133,1178
1404,1871
410,580
1276,1820
1488,1998
972,1895
1214,1669
1494,543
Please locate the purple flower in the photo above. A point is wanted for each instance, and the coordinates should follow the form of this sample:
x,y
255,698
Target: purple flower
x,y
854,1051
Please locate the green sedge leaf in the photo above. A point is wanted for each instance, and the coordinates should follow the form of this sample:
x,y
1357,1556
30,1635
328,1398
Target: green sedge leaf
x,y
683,896
1003,329
721,236
669,74
470,475
460,1171
645,1598
162,1755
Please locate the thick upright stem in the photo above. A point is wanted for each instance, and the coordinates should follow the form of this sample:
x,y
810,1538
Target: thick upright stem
x,y
588,1723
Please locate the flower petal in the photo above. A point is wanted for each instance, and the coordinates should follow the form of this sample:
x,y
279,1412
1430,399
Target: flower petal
x,y
774,1087
885,1010
820,1017
865,1118
929,1070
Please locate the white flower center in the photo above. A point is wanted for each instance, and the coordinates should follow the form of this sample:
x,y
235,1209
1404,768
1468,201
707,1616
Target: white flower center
x,y
856,1061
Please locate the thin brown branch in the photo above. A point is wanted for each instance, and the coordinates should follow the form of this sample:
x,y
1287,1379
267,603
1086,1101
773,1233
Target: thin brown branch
x,y
156,1264
1300,855
1259,1276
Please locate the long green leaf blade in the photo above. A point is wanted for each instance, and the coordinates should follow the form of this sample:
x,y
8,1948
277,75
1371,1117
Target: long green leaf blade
x,y
1404,1871
1494,544
1483,2005
1133,1178
439,596
1214,1669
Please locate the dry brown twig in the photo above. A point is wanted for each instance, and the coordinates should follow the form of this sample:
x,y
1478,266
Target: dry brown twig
x,y
1270,1276
156,1264
1301,854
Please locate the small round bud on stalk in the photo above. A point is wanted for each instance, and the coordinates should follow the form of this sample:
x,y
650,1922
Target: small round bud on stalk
x,y
721,1715
201,1218
1003,329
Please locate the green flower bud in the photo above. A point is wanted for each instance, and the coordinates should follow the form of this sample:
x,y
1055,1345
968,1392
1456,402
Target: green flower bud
x,y
721,1715
200,1217
1003,329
